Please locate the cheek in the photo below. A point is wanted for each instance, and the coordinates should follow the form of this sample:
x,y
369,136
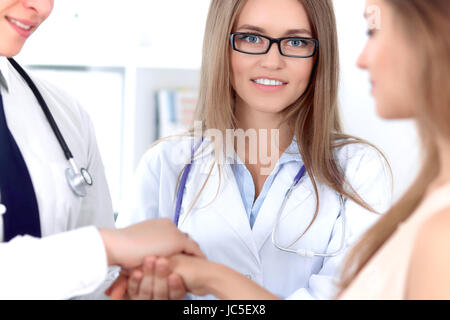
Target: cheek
x,y
11,44
394,91
43,7
241,72
300,75
239,67
48,10
6,4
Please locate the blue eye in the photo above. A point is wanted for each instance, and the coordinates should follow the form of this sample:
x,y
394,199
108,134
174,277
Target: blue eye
x,y
251,38
296,43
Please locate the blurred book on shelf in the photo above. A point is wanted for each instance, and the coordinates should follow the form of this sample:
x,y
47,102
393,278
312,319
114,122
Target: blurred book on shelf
x,y
175,110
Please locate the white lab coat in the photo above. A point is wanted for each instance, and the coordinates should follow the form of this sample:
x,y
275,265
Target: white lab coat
x,y
221,226
60,266
59,209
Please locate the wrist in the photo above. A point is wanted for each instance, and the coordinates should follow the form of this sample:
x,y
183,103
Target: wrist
x,y
106,236
212,279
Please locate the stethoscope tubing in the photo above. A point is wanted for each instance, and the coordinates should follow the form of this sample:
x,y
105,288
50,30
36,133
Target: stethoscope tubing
x,y
67,153
78,179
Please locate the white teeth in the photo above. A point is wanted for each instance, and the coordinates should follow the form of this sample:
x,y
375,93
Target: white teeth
x,y
267,82
19,24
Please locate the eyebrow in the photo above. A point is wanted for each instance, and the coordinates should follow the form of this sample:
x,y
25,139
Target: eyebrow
x,y
288,33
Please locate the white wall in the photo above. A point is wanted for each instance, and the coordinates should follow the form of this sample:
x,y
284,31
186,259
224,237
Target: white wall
x,y
398,139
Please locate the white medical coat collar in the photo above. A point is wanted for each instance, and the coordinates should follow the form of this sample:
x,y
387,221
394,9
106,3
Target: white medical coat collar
x,y
4,73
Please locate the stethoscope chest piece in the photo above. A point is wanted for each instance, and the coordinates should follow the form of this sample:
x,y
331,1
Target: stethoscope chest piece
x,y
79,181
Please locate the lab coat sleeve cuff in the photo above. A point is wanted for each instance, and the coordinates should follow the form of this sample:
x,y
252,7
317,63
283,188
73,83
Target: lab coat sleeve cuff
x,y
81,266
60,266
89,260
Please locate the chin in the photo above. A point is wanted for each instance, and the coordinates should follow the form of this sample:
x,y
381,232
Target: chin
x,y
392,113
10,52
269,109
384,112
12,46
268,105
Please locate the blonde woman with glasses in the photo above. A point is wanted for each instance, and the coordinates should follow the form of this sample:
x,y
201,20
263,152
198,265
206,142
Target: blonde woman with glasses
x,y
283,208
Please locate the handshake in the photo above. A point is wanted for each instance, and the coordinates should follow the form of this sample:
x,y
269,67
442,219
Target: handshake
x,y
158,262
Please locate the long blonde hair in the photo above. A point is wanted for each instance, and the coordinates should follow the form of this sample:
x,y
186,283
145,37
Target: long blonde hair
x,y
428,21
314,116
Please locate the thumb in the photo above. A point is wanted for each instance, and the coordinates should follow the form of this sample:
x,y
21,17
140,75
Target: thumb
x,y
192,248
118,289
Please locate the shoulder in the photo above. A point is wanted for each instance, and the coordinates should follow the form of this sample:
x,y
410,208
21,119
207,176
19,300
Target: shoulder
x,y
62,103
430,261
171,154
368,173
434,233
353,156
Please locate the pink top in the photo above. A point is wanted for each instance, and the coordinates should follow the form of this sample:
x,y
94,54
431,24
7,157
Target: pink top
x,y
384,277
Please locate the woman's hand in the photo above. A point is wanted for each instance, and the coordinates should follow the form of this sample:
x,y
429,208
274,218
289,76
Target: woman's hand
x,y
152,281
200,277
194,271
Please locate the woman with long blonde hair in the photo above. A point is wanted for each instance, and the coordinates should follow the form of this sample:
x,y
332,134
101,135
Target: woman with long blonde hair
x,y
283,205
405,255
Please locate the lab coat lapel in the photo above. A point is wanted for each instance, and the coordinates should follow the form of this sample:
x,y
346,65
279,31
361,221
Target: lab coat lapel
x,y
232,210
267,215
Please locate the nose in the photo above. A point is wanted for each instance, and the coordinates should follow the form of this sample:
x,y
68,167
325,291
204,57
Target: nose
x,y
362,61
272,59
42,7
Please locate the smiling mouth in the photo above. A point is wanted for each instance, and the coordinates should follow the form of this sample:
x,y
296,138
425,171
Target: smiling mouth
x,y
21,25
269,82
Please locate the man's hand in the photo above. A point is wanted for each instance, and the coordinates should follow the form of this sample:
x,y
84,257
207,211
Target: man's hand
x,y
127,247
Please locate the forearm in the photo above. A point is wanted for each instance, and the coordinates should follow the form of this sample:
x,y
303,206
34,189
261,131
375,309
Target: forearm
x,y
227,284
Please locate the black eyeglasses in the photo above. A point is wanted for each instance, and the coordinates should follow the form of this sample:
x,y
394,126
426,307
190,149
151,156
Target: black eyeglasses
x,y
295,47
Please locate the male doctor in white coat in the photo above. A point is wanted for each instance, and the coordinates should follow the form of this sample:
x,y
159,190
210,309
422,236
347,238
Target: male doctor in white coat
x,y
35,197
74,263
39,199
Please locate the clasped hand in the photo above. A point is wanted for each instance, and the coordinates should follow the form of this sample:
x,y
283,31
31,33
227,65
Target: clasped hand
x,y
161,278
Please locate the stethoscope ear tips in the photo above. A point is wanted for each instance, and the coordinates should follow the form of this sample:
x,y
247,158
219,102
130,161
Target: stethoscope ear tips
x,y
79,182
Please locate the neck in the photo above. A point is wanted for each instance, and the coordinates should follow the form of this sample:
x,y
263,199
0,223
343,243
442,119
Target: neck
x,y
270,144
443,177
250,119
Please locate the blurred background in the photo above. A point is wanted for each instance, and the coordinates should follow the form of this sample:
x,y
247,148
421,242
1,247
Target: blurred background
x,y
116,58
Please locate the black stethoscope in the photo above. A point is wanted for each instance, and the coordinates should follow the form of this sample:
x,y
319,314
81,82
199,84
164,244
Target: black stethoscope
x,y
78,179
